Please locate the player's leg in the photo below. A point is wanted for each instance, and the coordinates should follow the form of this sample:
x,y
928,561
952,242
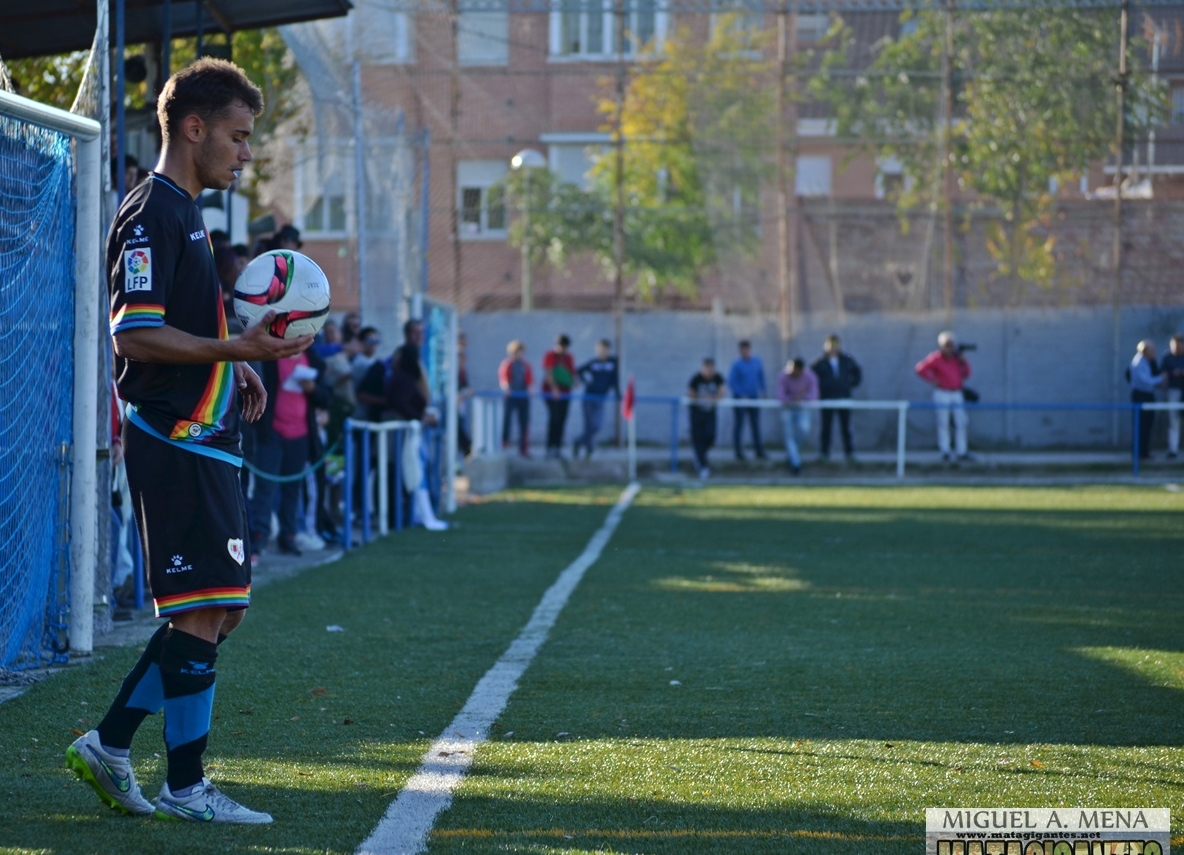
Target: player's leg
x,y
1173,423
824,439
845,430
942,411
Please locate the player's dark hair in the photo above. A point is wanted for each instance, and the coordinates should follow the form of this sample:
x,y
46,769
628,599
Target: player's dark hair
x,y
563,340
207,89
745,343
799,363
608,344
408,325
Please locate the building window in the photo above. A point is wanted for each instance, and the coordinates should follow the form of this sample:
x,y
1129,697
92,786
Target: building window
x,y
746,16
481,199
384,35
813,27
571,155
1177,104
321,184
813,176
588,28
483,38
889,178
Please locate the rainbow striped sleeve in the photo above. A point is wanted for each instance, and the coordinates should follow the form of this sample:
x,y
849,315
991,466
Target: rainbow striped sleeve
x,y
221,598
132,315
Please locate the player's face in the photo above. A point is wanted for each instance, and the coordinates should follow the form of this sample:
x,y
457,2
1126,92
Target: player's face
x,y
224,150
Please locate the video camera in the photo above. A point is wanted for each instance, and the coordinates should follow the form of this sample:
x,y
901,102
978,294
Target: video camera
x,y
966,348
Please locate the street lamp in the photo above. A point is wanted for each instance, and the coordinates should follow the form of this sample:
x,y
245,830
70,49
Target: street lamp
x,y
525,161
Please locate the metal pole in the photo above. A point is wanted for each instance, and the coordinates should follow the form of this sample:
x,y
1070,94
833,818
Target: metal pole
x,y
366,438
1119,145
619,206
83,502
166,41
348,498
120,96
784,320
425,210
527,297
674,407
902,423
383,482
454,148
360,170
947,83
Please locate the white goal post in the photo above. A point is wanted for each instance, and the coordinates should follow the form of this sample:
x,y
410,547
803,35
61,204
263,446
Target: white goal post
x,y
87,272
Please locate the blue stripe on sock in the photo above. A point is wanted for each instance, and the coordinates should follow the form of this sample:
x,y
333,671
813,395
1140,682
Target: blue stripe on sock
x,y
187,718
149,692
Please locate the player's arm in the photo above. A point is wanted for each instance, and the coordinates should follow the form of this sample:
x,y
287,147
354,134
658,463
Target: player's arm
x,y
169,345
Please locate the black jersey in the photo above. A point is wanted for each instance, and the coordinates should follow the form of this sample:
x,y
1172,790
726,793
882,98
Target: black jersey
x,y
160,267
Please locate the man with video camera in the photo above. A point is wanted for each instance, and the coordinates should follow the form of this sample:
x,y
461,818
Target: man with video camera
x,y
946,369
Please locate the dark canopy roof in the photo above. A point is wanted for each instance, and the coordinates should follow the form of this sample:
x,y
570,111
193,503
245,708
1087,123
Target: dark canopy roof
x,y
44,27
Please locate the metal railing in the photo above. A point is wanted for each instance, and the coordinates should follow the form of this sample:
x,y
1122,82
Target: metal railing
x,y
390,438
488,412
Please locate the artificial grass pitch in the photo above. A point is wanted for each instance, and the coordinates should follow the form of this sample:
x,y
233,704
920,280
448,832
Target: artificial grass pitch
x,y
744,670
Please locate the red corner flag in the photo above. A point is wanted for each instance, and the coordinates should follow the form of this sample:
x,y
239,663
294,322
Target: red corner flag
x,y
627,401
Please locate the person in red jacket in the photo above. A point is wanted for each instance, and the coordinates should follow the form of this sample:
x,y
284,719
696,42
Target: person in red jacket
x,y
515,378
559,377
946,369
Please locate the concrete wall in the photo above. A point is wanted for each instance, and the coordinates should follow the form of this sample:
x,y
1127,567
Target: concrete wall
x,y
1024,357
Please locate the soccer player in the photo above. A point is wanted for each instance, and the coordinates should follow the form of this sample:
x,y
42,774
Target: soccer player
x,y
179,371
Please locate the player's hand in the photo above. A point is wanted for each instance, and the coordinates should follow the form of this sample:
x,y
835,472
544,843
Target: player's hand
x,y
257,342
252,390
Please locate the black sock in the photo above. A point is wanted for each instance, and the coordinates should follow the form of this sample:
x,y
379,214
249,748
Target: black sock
x,y
140,696
187,675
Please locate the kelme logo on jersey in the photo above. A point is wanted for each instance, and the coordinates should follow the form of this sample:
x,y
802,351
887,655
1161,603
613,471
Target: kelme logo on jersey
x,y
137,270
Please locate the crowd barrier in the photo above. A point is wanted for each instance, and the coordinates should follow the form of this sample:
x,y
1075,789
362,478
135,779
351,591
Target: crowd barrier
x,y
387,440
489,408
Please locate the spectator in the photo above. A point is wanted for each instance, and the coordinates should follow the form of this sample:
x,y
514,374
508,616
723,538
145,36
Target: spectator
x,y
405,396
946,369
706,387
838,374
464,393
599,376
1145,379
1172,367
219,239
746,379
515,379
360,362
351,327
796,385
559,377
288,237
281,449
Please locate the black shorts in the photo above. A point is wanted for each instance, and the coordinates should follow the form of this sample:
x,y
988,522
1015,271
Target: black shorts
x,y
193,525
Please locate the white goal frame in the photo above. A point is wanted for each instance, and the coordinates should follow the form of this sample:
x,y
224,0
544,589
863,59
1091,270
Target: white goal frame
x,y
87,272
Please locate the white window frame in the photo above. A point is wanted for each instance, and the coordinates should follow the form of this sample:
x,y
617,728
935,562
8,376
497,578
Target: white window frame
x,y
556,52
751,12
402,52
801,169
305,163
480,175
570,139
501,18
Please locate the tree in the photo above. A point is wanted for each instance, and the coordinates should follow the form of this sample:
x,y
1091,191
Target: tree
x,y
695,125
1033,104
261,53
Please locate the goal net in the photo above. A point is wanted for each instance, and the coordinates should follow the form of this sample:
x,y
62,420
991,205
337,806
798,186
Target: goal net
x,y
48,265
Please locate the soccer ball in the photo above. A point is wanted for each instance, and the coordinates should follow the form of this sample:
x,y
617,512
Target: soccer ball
x,y
291,284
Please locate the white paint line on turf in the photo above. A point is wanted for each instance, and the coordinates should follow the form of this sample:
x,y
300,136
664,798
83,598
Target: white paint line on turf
x,y
404,829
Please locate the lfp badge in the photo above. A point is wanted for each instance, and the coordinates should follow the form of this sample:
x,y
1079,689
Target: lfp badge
x,y
1047,831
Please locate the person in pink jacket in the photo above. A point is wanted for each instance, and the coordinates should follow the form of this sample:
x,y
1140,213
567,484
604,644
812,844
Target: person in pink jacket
x,y
946,369
796,385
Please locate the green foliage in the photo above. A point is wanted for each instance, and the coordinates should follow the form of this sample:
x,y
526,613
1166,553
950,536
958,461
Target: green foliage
x,y
695,124
1032,104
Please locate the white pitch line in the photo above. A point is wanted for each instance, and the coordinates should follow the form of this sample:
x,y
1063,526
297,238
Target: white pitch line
x,y
404,829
